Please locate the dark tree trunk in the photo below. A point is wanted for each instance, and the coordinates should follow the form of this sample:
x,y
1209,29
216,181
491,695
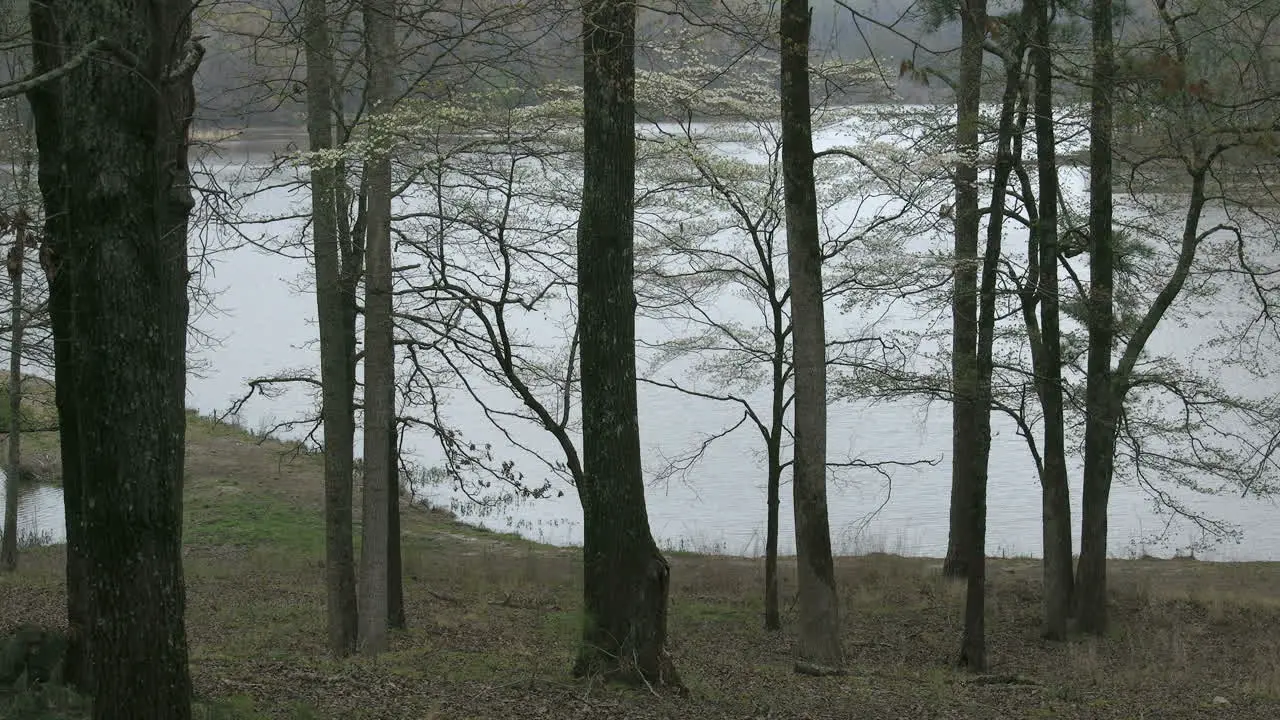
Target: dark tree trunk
x,y
625,577
818,649
965,407
337,381
395,565
772,615
379,350
1100,422
972,363
1055,496
9,546
116,189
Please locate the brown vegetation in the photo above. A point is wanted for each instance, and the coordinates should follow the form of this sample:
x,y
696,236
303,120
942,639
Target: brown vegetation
x,y
494,623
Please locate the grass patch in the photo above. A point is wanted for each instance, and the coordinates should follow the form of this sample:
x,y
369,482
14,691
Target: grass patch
x,y
233,516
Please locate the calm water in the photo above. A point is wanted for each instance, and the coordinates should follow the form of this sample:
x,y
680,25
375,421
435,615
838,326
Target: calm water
x,y
269,326
265,325
39,512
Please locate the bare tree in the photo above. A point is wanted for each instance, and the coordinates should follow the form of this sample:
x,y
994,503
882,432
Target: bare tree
x,y
711,226
13,471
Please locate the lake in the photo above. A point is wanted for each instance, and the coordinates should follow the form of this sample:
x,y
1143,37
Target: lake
x,y
40,515
264,324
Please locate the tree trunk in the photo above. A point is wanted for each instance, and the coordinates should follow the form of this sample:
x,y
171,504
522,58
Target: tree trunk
x,y
965,408
395,566
1100,421
772,616
1055,495
379,358
9,546
336,406
972,362
116,188
818,649
625,577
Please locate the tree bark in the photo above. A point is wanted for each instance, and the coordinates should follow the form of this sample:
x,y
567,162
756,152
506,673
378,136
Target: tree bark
x,y
972,360
1101,407
965,408
338,383
379,358
395,565
9,546
818,648
625,577
112,140
1055,495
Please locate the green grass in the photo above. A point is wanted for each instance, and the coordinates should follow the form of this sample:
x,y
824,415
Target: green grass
x,y
252,520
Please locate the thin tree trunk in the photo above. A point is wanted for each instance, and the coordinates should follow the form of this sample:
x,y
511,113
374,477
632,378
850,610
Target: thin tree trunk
x,y
1100,422
9,546
625,577
772,615
395,565
973,363
337,408
965,408
116,185
379,359
1055,495
818,649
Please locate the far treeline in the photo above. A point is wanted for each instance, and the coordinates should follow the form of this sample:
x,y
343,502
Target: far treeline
x,y
1088,174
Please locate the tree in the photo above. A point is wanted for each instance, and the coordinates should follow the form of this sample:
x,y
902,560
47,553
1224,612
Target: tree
x,y
335,310
1100,428
9,548
28,314
818,649
477,43
112,139
971,345
379,348
966,459
1047,357
626,578
1209,110
395,564
711,234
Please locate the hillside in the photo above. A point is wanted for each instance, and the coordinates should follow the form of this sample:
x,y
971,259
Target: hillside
x,y
493,621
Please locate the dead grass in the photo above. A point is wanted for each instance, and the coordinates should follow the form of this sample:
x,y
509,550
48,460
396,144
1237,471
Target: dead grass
x,y
493,622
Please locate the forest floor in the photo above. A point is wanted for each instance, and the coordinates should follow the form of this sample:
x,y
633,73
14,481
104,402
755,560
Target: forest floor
x,y
493,623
